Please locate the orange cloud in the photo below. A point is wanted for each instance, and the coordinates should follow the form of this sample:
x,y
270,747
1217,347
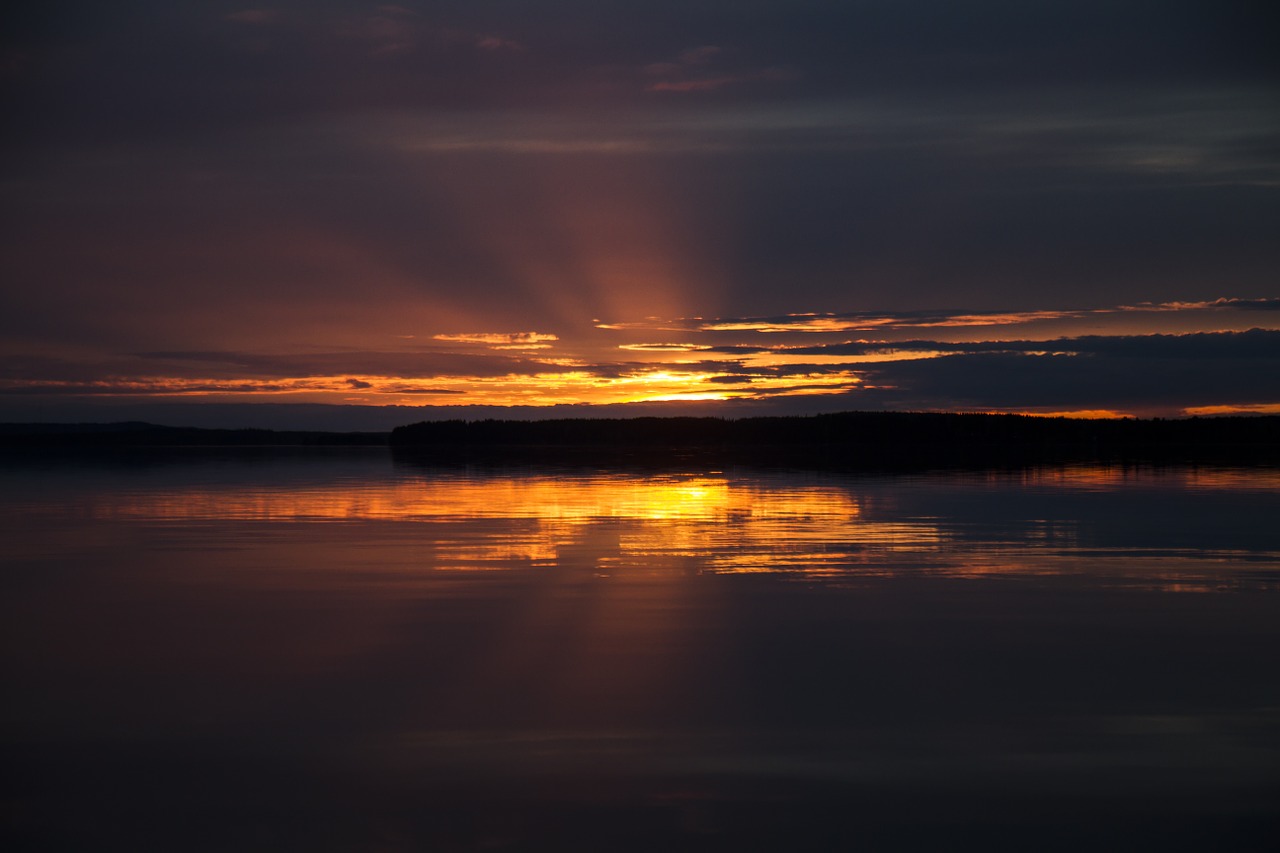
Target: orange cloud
x,y
1242,409
662,347
1006,319
502,340
799,323
1089,414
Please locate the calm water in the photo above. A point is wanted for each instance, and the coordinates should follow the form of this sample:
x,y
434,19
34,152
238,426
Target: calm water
x,y
265,652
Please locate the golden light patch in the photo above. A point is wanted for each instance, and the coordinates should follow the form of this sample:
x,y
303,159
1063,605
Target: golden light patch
x,y
1087,414
798,323
778,358
659,383
504,340
663,347
1242,409
1007,319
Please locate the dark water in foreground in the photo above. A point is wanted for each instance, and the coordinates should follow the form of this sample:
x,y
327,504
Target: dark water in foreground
x,y
331,652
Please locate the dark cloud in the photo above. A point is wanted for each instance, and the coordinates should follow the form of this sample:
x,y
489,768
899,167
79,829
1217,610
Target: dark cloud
x,y
1251,304
154,368
1138,374
1255,343
128,388
1134,384
139,65
261,192
1211,346
411,364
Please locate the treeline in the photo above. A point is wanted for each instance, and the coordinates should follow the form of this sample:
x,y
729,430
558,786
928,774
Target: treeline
x,y
138,434
853,439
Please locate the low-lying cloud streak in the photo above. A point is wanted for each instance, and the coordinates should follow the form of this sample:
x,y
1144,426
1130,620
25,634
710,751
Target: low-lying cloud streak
x,y
796,363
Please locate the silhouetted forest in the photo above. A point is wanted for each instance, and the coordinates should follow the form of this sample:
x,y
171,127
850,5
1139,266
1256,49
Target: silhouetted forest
x,y
139,434
851,439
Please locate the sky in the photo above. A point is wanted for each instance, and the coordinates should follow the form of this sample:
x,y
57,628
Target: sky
x,y
354,215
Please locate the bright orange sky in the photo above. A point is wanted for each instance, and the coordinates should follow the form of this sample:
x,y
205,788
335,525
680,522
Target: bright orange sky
x,y
850,361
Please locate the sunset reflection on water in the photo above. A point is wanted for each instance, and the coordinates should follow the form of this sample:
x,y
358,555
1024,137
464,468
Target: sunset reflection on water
x,y
340,647
569,499
1102,521
725,523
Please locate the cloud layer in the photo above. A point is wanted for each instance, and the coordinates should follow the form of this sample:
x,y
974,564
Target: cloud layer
x,y
991,361
874,203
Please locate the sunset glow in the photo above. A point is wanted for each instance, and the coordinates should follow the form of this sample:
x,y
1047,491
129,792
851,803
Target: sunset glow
x,y
473,212
733,526
671,425
714,361
727,524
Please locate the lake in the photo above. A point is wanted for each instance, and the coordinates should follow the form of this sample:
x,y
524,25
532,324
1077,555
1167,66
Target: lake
x,y
333,650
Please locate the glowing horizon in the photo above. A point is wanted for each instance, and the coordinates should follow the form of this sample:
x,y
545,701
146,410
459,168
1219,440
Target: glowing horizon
x,y
758,209
743,361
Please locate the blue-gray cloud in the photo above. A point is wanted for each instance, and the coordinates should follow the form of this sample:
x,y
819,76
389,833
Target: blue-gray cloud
x,y
1254,343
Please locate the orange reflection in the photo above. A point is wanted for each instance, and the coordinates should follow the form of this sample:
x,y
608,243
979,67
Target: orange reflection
x,y
726,525
565,499
1182,479
636,526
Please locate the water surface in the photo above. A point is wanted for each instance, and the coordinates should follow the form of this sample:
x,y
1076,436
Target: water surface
x,y
334,651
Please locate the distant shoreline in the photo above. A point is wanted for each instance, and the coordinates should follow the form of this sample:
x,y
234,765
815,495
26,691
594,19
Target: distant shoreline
x,y
850,440
137,434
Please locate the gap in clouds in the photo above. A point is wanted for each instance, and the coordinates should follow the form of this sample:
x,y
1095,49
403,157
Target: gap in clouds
x,y
806,356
